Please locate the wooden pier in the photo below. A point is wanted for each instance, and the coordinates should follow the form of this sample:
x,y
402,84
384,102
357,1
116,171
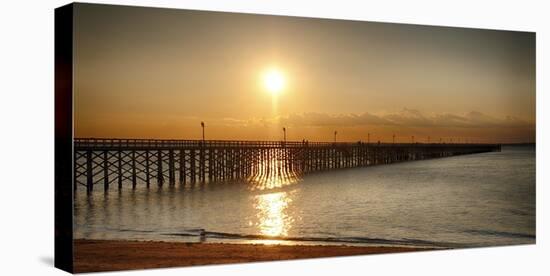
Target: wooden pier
x,y
132,162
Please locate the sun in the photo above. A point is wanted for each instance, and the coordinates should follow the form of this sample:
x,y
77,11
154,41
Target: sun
x,y
274,81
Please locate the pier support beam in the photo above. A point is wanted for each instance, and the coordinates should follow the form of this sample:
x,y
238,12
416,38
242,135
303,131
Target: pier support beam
x,y
147,170
134,175
181,167
105,171
160,176
89,172
171,168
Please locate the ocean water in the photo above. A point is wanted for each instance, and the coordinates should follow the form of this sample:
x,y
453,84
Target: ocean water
x,y
473,200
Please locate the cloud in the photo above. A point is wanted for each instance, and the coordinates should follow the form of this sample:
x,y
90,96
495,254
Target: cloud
x,y
405,118
323,119
410,117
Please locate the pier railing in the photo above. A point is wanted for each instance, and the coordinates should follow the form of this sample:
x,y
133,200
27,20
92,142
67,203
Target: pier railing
x,y
100,143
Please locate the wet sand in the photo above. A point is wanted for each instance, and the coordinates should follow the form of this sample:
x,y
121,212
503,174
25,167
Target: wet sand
x,y
108,255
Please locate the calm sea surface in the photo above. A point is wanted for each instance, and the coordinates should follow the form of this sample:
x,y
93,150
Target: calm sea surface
x,y
464,201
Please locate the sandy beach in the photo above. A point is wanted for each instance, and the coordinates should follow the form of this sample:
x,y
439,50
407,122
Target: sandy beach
x,y
109,255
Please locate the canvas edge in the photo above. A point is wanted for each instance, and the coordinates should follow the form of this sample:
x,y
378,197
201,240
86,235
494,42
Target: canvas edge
x,y
63,179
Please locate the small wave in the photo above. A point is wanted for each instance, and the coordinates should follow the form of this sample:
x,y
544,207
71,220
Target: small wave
x,y
501,234
349,240
136,231
100,228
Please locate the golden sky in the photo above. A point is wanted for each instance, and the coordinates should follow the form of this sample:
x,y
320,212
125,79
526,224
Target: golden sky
x,y
157,73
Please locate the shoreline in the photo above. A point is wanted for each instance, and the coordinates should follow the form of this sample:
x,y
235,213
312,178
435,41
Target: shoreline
x,y
111,255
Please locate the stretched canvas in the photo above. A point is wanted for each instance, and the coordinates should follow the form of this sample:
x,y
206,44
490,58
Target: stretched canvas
x,y
189,137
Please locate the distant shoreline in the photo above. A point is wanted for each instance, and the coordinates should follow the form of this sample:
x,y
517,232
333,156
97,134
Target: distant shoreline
x,y
110,255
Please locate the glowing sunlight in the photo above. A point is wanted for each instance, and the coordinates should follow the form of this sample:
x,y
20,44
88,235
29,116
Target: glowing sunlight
x,y
274,81
273,217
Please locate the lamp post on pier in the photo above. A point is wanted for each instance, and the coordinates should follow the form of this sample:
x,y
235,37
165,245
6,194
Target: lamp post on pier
x,y
202,125
335,132
284,134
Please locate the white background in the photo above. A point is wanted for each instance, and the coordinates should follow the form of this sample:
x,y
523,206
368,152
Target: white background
x,y
26,136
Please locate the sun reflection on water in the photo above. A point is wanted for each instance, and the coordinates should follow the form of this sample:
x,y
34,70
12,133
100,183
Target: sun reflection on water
x,y
272,174
273,215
